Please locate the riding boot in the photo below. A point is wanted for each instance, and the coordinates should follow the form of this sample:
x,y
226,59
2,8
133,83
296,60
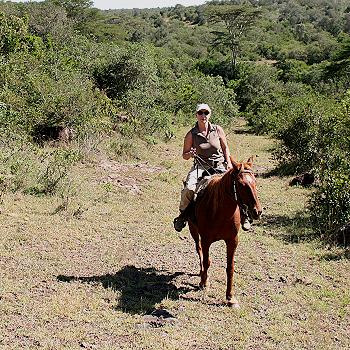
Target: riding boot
x,y
186,214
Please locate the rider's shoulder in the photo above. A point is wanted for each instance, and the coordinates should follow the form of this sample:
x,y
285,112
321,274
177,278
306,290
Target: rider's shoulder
x,y
189,135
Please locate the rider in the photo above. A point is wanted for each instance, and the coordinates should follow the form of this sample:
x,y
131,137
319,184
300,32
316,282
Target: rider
x,y
207,144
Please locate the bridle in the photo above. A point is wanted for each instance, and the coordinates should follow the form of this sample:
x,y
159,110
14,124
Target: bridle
x,y
234,182
243,207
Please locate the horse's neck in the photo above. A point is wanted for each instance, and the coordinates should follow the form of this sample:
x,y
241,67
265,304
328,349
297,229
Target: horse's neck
x,y
219,196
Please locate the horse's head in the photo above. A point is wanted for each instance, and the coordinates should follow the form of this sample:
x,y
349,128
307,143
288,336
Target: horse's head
x,y
244,187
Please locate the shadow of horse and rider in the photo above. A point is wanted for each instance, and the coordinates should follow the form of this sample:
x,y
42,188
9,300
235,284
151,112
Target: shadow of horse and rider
x,y
140,289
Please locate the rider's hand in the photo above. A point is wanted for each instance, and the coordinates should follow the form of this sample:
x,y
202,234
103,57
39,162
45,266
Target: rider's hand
x,y
193,152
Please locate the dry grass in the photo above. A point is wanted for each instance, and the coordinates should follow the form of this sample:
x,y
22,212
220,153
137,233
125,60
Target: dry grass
x,y
86,275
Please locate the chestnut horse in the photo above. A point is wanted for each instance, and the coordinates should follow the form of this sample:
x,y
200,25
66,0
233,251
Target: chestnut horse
x,y
217,217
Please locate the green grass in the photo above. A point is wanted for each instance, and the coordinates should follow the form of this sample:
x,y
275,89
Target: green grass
x,y
85,276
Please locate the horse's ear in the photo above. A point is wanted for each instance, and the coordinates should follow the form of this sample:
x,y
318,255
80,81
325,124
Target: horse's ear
x,y
234,163
250,161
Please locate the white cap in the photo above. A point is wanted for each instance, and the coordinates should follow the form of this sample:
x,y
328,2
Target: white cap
x,y
203,106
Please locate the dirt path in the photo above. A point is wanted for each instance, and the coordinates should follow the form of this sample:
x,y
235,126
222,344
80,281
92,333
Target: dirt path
x,y
109,272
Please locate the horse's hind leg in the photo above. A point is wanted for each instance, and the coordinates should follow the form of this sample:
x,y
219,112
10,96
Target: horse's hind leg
x,y
197,240
206,264
199,252
231,246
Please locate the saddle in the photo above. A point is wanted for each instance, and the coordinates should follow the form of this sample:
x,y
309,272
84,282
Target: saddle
x,y
203,180
189,212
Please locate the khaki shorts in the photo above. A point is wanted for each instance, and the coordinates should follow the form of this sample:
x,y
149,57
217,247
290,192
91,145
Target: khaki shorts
x,y
192,184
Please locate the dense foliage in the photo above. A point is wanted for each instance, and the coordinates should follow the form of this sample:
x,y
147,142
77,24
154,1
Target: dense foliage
x,y
284,65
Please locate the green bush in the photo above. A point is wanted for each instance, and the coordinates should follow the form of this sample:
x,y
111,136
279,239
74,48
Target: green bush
x,y
32,169
14,36
310,133
129,68
17,162
330,206
330,203
42,94
316,138
190,89
150,90
267,102
256,85
53,171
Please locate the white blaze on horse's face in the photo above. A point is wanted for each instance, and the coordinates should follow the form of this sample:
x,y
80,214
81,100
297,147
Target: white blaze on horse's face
x,y
249,178
251,182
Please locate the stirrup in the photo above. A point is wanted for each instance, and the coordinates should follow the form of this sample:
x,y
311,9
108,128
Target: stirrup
x,y
179,224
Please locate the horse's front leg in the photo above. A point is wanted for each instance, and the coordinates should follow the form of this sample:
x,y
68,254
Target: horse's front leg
x,y
206,264
231,246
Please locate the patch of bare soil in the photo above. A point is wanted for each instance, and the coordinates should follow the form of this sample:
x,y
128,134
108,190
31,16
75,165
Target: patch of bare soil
x,y
127,176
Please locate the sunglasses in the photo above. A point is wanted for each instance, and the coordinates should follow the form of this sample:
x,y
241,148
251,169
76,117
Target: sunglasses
x,y
201,112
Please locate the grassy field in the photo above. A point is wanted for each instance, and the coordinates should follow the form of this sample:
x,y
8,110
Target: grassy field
x,y
104,269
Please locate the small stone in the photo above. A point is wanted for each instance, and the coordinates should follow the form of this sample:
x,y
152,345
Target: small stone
x,y
283,279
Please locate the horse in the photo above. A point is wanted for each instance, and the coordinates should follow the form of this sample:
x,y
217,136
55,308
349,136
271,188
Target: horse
x,y
217,217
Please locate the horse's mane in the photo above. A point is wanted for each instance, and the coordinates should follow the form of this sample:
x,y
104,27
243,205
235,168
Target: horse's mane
x,y
220,186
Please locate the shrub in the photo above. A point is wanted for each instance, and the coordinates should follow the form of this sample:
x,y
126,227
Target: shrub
x,y
292,70
211,66
15,37
267,102
40,93
147,87
121,147
330,203
53,171
255,85
129,68
193,88
310,132
32,169
17,161
330,206
316,138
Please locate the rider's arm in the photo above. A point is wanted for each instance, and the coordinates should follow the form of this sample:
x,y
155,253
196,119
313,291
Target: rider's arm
x,y
188,151
224,147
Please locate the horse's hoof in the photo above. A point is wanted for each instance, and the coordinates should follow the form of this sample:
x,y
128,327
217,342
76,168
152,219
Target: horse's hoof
x,y
233,302
202,286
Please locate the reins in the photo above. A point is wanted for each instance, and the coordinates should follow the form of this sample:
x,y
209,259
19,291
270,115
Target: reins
x,y
202,162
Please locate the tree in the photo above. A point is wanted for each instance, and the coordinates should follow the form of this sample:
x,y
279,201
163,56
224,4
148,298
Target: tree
x,y
15,37
237,19
340,63
73,7
48,20
79,11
